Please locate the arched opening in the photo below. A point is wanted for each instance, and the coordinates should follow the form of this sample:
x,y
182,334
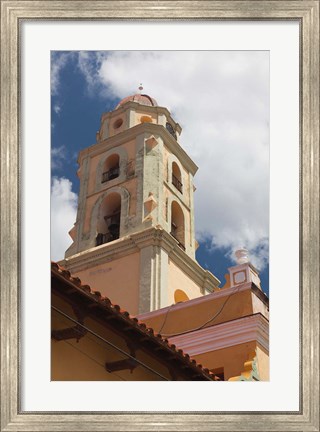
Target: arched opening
x,y
111,168
180,296
108,226
177,224
176,177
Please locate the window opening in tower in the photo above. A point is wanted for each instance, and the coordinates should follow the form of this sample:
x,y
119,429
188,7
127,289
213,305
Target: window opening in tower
x,y
176,177
110,174
177,183
113,228
111,168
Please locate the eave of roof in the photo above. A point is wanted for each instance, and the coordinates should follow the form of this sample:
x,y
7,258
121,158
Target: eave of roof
x,y
103,303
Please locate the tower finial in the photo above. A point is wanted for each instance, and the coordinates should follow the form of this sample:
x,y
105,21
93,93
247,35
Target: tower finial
x,y
242,256
140,87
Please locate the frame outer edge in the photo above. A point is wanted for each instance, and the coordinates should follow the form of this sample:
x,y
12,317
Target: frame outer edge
x,y
310,221
9,216
314,224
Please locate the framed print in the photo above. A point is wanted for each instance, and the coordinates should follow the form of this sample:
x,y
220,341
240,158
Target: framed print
x,y
32,35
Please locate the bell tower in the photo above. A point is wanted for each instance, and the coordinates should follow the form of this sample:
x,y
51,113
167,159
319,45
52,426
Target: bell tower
x,y
134,237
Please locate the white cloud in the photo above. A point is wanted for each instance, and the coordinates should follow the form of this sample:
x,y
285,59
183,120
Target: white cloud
x,y
58,61
221,100
58,155
57,108
63,216
89,63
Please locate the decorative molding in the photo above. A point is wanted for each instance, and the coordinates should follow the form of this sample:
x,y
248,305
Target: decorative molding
x,y
231,333
122,177
219,293
147,108
250,372
132,133
179,197
135,242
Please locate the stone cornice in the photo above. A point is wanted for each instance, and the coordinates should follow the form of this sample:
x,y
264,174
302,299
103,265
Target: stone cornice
x,y
132,133
133,243
99,254
159,237
239,331
259,293
220,293
147,108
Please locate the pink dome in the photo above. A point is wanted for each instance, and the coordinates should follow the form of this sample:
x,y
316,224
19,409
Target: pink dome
x,y
142,99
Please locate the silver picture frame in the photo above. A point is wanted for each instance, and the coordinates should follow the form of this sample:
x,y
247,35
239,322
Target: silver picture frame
x,y
13,13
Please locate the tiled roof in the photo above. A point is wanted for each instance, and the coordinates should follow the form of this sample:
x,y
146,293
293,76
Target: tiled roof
x,y
134,323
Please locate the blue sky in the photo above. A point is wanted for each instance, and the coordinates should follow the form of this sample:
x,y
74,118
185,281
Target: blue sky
x,y
221,100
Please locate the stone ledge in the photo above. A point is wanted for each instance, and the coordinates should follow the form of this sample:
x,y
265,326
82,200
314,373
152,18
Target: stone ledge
x,y
135,242
132,133
225,335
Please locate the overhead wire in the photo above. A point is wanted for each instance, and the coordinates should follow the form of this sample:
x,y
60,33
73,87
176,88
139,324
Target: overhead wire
x,y
92,358
202,325
109,343
166,316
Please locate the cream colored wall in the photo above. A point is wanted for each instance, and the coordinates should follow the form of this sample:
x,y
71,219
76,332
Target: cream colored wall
x,y
263,364
232,359
187,217
184,176
165,155
259,306
184,200
177,279
117,279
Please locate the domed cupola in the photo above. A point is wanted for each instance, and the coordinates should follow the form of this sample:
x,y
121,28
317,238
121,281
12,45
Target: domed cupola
x,y
141,99
135,110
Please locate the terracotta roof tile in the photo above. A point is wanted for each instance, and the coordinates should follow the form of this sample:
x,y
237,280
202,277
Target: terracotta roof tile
x,y
134,322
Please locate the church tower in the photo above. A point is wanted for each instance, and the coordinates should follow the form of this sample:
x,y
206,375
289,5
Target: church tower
x,y
134,237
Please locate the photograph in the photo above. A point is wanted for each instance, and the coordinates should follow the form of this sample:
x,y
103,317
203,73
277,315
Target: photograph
x,y
160,178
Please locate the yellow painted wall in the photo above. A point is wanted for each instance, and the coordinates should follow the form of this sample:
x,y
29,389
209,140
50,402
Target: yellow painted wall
x,y
85,360
263,364
232,359
117,279
183,319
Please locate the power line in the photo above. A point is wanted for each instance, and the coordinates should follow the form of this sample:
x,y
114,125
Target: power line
x,y
166,316
203,325
92,358
109,343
